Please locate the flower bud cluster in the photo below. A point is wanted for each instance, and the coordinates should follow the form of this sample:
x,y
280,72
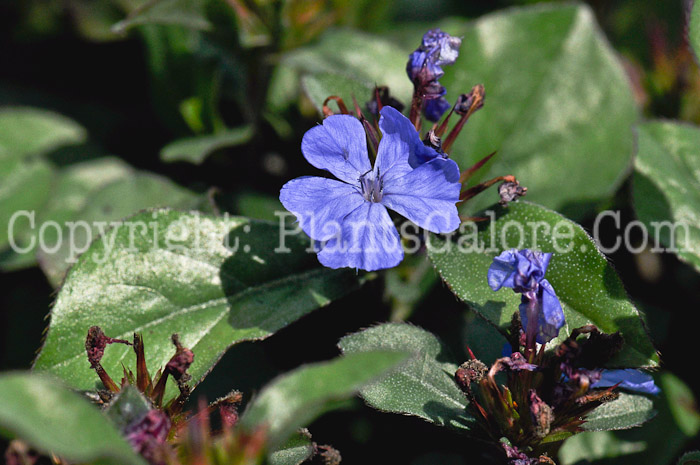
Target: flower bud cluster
x,y
542,396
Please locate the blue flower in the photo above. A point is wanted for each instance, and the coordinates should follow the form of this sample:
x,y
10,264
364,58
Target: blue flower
x,y
424,68
436,50
523,271
349,216
633,380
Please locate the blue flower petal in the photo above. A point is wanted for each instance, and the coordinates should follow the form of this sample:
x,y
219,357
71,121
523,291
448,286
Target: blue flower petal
x,y
338,146
532,266
502,270
523,271
427,195
368,241
518,269
633,380
400,149
320,204
551,316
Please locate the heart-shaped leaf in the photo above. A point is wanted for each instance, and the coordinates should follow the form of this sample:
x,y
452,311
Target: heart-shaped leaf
x,y
588,288
423,386
214,281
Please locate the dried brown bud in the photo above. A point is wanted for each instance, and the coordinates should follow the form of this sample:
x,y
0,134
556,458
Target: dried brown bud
x,y
541,414
177,366
327,455
600,397
510,191
180,362
469,103
471,371
95,344
228,408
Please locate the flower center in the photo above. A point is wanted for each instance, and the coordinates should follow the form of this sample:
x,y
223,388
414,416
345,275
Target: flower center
x,y
371,187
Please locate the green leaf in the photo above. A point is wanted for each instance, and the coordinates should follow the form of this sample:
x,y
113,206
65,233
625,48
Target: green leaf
x,y
667,187
127,407
296,398
346,61
162,272
295,451
424,386
115,192
588,288
681,404
482,337
31,131
53,419
259,206
560,108
560,113
24,187
625,412
690,458
197,149
70,191
185,13
589,446
318,87
694,29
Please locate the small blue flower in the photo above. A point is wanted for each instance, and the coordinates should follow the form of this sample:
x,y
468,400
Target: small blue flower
x,y
349,216
632,380
424,68
523,271
436,50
